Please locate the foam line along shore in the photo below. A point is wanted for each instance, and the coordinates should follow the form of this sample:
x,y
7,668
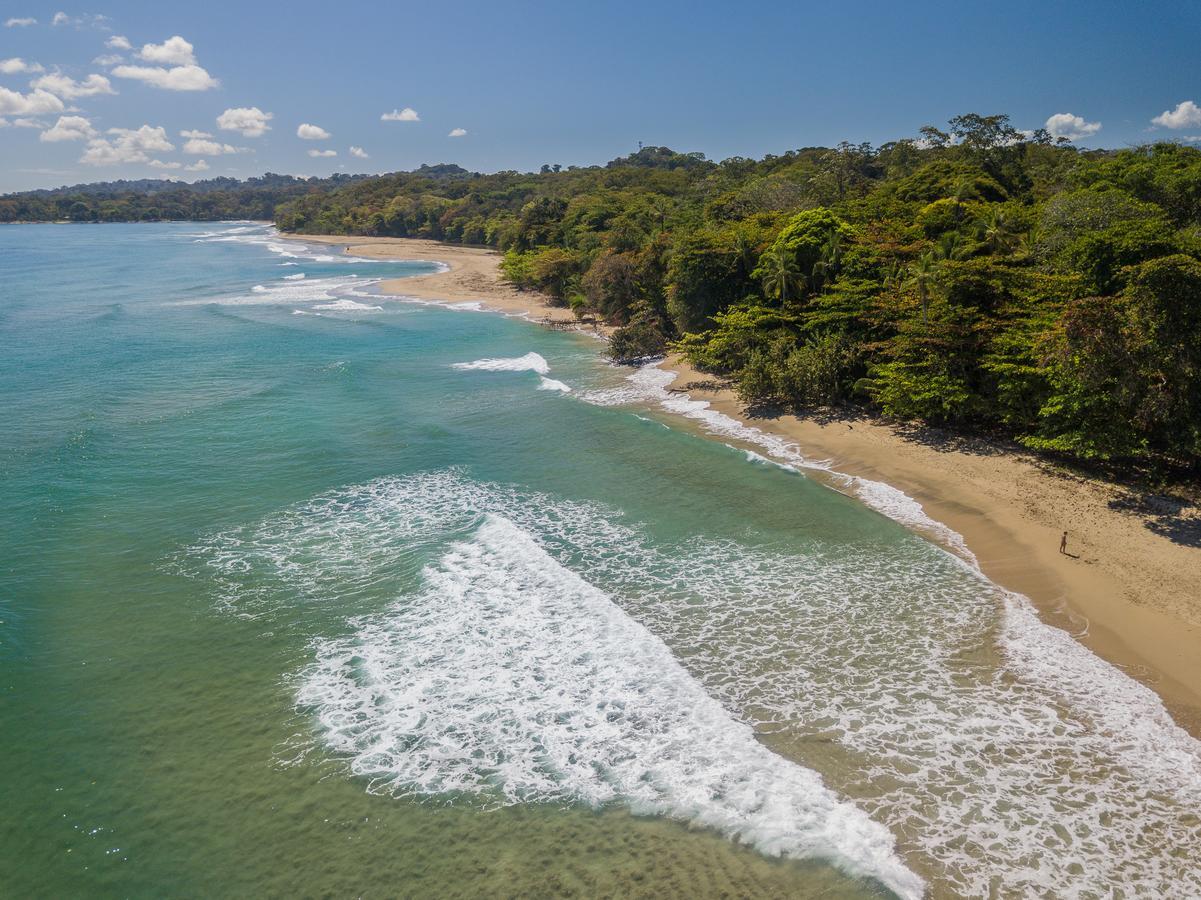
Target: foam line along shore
x,y
1127,592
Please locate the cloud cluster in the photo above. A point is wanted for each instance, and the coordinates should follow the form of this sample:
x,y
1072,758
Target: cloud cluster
x,y
69,89
175,66
322,153
1071,127
247,121
118,42
174,51
35,103
20,22
197,146
408,114
1186,115
312,133
359,153
177,78
458,132
16,66
126,146
69,128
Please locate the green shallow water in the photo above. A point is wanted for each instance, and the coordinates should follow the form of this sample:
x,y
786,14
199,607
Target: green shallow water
x,y
211,489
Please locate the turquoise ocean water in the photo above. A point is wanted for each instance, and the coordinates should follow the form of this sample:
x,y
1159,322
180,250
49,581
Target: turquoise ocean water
x,y
310,591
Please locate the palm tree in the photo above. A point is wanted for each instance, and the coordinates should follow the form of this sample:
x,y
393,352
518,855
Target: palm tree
x,y
780,273
922,275
964,191
828,262
950,246
894,274
996,231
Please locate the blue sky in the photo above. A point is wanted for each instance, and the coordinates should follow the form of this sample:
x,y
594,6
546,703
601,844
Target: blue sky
x,y
109,90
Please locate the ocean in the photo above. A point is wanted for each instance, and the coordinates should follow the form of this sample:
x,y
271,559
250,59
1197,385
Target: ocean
x,y
308,590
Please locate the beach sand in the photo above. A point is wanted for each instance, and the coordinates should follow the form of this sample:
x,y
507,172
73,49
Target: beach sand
x,y
473,276
1130,586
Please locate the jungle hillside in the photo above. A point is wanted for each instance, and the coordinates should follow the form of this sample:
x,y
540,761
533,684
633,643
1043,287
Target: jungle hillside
x,y
974,277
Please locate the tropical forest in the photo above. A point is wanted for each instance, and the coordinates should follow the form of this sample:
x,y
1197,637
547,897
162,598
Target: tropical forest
x,y
975,277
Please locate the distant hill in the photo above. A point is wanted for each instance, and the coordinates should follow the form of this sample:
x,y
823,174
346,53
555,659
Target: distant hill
x,y
162,199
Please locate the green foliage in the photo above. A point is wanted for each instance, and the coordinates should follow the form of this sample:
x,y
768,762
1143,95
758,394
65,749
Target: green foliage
x,y
976,277
709,269
154,200
808,238
818,372
643,338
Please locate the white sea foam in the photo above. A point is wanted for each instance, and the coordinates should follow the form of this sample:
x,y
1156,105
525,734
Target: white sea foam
x,y
291,249
550,384
648,384
531,362
299,276
316,293
1046,772
760,459
456,305
345,304
512,677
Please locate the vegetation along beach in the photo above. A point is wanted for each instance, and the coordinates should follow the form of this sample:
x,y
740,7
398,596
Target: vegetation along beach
x,y
645,450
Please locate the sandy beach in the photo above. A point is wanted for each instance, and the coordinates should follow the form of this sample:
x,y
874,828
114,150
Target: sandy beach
x,y
1129,587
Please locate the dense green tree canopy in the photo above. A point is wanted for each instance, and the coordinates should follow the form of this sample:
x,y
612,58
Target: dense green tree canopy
x,y
978,276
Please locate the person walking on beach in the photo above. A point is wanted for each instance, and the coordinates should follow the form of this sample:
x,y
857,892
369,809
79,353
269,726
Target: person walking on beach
x,y
1063,543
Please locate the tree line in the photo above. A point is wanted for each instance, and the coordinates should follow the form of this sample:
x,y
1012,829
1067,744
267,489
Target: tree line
x,y
163,200
977,277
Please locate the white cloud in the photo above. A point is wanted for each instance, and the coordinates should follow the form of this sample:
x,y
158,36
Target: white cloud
x,y
118,42
19,22
174,51
458,132
192,133
177,78
321,153
4,123
312,132
408,114
127,146
69,89
108,59
16,65
202,147
93,19
359,152
199,166
68,128
248,121
159,164
29,123
1186,115
35,103
1066,125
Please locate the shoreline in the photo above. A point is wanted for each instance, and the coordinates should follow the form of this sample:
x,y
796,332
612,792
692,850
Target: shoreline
x,y
1129,594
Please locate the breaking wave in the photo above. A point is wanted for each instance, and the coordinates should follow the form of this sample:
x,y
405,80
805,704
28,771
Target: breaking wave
x,y
1004,756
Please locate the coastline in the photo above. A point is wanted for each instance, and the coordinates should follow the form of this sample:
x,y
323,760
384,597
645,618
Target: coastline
x,y
1127,591
471,277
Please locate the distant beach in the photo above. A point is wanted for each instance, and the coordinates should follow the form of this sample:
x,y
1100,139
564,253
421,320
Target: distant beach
x,y
1127,589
